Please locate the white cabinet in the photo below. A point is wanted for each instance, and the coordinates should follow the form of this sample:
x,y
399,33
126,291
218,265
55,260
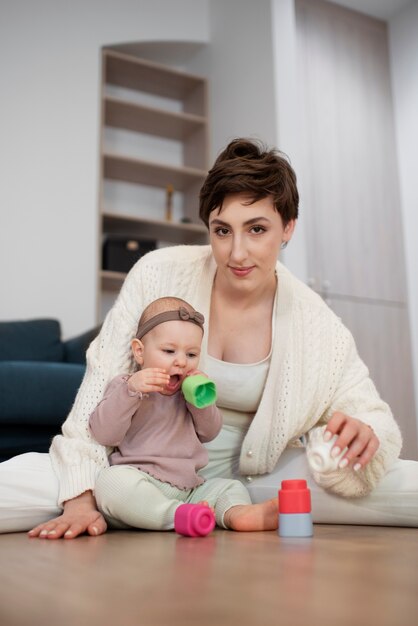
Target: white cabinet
x,y
350,193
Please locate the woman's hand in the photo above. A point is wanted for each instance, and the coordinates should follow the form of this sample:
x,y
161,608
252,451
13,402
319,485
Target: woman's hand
x,y
357,436
80,516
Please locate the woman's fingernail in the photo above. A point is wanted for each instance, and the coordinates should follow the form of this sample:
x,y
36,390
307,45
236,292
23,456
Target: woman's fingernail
x,y
52,532
343,463
95,530
327,435
335,452
68,533
357,467
43,533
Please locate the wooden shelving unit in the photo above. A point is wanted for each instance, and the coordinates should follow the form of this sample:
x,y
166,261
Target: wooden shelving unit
x,y
168,231
154,102
142,119
142,172
111,281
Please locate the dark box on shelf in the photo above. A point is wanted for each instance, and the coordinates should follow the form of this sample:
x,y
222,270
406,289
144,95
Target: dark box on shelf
x,y
120,253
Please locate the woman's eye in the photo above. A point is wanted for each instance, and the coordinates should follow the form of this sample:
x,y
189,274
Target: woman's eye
x,y
221,231
258,229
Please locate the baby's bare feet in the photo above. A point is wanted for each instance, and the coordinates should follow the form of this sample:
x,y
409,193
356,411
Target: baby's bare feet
x,y
248,517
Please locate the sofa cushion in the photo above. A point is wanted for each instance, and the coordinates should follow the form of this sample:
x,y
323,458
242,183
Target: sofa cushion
x,y
31,340
37,392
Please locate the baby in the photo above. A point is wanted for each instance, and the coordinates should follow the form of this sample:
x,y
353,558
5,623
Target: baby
x,y
158,436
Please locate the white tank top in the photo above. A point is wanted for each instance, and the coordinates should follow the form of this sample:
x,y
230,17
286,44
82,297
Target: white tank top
x,y
240,386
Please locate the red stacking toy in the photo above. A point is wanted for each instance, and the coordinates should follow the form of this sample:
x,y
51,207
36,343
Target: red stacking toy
x,y
295,518
194,520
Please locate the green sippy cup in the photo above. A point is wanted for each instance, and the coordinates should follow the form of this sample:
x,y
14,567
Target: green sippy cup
x,y
199,391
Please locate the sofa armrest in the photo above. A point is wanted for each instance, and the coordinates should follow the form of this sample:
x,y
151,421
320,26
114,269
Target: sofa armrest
x,y
75,348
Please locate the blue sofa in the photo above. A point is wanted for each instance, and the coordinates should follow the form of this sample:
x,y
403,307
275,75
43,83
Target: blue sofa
x,y
39,378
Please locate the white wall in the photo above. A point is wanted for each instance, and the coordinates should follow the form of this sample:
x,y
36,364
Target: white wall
x,y
49,67
240,66
289,115
403,39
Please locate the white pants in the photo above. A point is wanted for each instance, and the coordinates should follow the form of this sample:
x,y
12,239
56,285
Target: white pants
x,y
394,502
29,493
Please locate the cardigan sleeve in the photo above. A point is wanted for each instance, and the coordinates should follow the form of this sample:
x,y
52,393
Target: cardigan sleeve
x,y
77,458
357,397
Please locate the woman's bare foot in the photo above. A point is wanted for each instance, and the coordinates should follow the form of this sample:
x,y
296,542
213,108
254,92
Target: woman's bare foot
x,y
247,517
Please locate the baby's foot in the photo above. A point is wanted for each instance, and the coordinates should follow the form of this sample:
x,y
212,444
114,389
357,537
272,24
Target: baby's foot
x,y
247,517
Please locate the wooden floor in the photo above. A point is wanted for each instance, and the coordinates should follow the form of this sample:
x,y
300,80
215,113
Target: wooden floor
x,y
344,575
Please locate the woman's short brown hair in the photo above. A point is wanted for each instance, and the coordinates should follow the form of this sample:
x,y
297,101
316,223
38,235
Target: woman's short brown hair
x,y
247,166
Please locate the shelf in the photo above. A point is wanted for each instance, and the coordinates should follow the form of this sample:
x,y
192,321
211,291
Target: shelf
x,y
143,119
176,232
142,75
111,281
142,172
163,108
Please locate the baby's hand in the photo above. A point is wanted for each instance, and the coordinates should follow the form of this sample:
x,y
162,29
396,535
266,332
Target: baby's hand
x,y
148,380
357,436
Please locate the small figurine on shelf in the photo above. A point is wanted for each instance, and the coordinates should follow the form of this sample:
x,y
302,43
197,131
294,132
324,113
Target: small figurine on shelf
x,y
169,203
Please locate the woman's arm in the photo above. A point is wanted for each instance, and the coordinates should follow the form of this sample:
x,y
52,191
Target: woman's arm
x,y
365,424
76,457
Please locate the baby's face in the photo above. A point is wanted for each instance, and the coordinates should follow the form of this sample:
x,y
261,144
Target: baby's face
x,y
174,346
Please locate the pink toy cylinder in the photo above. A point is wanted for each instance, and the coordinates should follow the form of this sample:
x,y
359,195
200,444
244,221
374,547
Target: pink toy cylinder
x,y
194,520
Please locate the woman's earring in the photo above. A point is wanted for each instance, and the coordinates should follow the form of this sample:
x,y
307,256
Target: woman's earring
x,y
283,245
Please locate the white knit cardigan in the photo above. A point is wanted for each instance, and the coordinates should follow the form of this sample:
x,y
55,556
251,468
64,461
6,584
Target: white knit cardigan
x,y
314,371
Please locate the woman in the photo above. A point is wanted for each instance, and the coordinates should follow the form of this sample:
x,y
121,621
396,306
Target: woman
x,y
284,364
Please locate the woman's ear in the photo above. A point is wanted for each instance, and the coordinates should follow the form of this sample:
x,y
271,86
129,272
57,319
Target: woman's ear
x,y
138,350
288,230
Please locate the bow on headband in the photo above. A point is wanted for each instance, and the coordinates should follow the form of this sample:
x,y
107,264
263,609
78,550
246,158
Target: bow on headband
x,y
181,314
189,316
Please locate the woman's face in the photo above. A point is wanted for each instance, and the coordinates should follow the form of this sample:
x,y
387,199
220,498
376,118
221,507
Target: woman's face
x,y
246,239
